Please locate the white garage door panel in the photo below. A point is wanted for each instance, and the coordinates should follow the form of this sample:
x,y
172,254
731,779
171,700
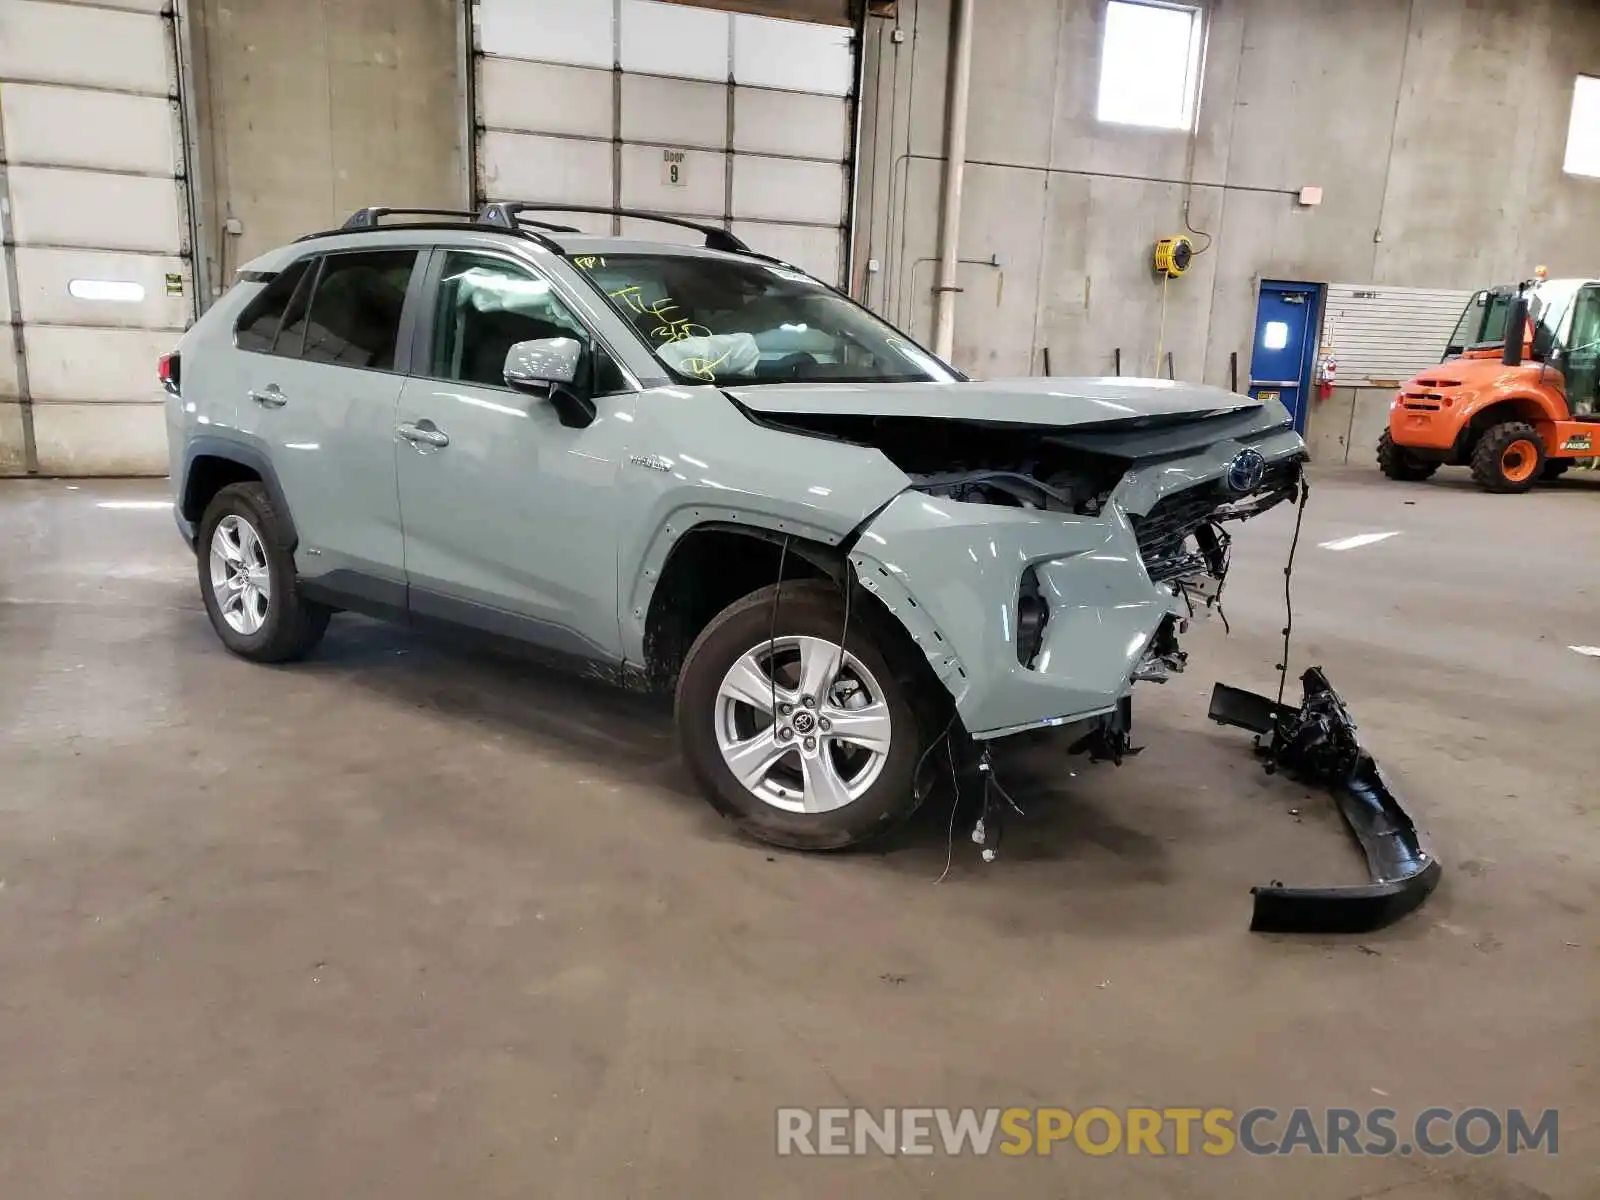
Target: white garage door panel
x,y
13,445
770,101
90,439
96,47
674,111
814,250
783,189
94,364
651,231
674,39
45,279
526,97
93,140
796,55
86,208
518,166
8,370
560,31
703,192
109,130
791,123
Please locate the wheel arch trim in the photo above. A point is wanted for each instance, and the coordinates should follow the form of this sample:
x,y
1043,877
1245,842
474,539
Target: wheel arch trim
x,y
245,455
819,545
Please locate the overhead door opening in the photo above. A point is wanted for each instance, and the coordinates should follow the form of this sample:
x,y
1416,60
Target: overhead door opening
x,y
96,275
741,120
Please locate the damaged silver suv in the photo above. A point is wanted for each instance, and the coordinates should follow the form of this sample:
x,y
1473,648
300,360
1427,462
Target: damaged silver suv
x,y
697,470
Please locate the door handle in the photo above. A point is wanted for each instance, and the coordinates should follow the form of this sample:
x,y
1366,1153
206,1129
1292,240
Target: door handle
x,y
1274,383
423,434
270,397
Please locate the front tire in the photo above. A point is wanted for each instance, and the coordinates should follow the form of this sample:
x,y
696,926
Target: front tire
x,y
1508,457
248,579
1399,463
793,753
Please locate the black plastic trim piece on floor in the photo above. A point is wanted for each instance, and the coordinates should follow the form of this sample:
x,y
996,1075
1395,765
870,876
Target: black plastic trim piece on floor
x,y
1316,743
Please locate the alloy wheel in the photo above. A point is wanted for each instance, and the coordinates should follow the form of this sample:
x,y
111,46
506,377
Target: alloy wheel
x,y
241,579
802,725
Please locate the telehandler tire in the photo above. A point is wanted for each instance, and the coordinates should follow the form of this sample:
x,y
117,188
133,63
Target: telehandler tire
x,y
1508,457
1399,463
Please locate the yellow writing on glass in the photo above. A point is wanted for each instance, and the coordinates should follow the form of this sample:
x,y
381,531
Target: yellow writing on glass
x,y
588,262
672,329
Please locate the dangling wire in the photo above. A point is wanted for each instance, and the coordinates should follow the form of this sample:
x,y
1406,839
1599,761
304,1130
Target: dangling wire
x,y
772,636
1288,597
950,834
838,662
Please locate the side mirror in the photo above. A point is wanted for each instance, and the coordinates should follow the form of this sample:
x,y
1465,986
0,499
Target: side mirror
x,y
538,365
555,368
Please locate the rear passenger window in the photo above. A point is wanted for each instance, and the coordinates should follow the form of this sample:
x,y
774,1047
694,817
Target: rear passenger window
x,y
258,323
354,315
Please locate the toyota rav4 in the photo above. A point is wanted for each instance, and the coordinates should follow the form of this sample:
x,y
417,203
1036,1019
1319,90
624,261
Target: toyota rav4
x,y
699,471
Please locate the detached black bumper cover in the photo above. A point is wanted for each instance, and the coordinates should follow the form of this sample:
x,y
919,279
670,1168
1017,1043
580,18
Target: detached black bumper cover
x,y
1316,743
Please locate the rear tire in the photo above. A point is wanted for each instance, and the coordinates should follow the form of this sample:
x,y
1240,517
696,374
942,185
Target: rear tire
x,y
248,579
1508,457
1399,463
871,793
1555,468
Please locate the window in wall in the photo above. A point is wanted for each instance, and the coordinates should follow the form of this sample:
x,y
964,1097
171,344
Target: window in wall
x,y
1150,64
1583,128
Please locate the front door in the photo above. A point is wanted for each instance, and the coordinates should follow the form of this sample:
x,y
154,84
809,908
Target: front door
x,y
1285,341
508,513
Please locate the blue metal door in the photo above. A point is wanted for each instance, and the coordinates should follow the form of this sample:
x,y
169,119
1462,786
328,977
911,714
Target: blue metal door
x,y
1281,358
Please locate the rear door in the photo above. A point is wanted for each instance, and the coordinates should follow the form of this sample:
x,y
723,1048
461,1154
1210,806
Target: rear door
x,y
321,386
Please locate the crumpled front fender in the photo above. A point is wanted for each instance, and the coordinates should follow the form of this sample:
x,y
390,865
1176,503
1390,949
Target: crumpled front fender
x,y
950,572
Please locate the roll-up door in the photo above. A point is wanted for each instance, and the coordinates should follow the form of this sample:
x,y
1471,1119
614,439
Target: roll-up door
x,y
1382,335
96,273
742,120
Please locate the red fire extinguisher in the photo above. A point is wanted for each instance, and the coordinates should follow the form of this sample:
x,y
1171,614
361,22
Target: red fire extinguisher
x,y
1327,371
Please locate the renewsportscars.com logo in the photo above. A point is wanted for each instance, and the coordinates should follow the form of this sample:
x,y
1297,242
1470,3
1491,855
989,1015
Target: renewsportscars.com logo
x,y
1099,1131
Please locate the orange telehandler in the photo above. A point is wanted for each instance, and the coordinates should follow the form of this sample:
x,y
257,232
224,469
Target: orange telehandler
x,y
1514,398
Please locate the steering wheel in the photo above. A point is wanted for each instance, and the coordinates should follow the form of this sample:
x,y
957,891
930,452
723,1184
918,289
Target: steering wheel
x,y
790,365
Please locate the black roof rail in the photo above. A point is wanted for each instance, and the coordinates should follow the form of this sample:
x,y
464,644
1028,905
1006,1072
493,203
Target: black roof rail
x,y
368,218
506,213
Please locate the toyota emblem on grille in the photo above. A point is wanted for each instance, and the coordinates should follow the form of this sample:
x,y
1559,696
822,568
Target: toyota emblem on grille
x,y
1246,471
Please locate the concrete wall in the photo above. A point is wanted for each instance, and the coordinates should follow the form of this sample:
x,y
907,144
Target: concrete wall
x,y
1436,129
311,109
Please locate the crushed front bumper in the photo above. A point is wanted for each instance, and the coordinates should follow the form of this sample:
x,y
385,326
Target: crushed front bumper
x,y
1317,743
950,572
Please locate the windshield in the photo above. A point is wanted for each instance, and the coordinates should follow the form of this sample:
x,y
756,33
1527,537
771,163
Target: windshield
x,y
714,320
1548,304
1482,323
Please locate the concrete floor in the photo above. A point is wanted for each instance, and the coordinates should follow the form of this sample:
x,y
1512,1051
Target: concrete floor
x,y
407,921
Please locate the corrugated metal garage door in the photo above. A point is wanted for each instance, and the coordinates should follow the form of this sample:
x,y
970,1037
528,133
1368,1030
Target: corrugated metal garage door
x,y
97,284
741,119
1382,335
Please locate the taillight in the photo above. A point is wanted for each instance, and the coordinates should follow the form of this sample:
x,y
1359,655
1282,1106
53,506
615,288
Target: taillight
x,y
167,371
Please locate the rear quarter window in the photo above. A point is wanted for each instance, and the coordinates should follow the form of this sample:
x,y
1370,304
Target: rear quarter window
x,y
257,327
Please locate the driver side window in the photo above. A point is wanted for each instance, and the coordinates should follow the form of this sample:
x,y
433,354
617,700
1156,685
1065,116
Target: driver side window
x,y
485,306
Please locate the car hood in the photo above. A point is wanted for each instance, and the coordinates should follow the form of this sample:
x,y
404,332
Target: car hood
x,y
1043,402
